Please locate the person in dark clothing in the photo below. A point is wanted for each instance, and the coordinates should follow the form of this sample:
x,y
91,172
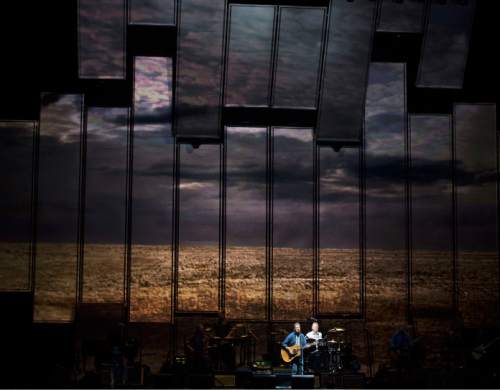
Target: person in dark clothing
x,y
401,345
198,349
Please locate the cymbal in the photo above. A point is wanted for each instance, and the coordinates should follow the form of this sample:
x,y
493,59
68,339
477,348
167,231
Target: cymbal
x,y
336,330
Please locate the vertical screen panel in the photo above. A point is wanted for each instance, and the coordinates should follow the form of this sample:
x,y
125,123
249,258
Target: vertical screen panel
x,y
446,44
101,39
250,55
431,207
386,255
476,196
339,222
57,210
154,12
16,175
293,222
246,173
299,56
152,191
105,201
199,210
199,68
345,69
401,16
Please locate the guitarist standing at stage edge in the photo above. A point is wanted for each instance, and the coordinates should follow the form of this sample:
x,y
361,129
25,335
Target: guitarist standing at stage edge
x,y
293,339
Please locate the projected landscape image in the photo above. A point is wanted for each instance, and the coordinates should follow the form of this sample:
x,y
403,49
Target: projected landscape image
x,y
152,291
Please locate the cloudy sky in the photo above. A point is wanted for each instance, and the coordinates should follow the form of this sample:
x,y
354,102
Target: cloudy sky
x,y
246,151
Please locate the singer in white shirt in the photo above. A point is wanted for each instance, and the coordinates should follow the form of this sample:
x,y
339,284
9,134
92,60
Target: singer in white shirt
x,y
314,357
314,334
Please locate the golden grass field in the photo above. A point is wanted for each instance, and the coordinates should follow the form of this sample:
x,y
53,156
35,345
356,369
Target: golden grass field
x,y
55,283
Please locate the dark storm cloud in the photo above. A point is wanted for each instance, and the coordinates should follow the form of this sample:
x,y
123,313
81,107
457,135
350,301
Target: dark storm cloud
x,y
293,187
339,191
101,29
292,171
155,169
249,58
429,171
246,186
199,194
298,59
157,12
159,116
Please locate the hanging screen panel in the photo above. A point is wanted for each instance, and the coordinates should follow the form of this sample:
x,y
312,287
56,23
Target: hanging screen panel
x,y
16,175
105,205
152,191
476,197
57,209
431,208
101,39
293,222
152,12
345,70
246,226
199,68
446,44
401,16
339,231
199,215
248,73
299,56
386,223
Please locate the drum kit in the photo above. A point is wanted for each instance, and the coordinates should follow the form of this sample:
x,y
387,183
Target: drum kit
x,y
332,350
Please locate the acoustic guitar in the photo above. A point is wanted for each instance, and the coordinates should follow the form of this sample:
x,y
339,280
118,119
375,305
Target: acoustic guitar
x,y
288,354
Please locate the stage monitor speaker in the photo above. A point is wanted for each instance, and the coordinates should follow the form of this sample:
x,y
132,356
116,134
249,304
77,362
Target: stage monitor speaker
x,y
222,381
264,381
244,378
302,381
168,381
283,379
353,381
201,381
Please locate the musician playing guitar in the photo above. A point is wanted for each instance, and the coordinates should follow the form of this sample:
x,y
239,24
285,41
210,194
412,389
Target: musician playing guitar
x,y
294,343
